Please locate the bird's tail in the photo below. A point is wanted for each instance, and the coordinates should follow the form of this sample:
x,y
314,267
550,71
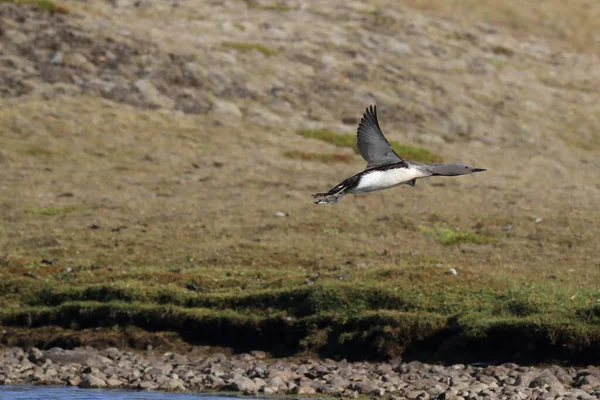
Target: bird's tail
x,y
337,189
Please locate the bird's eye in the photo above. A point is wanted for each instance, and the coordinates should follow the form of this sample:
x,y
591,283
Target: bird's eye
x,y
466,167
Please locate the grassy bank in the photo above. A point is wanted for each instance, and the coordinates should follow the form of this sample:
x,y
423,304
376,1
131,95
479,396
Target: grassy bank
x,y
434,315
365,334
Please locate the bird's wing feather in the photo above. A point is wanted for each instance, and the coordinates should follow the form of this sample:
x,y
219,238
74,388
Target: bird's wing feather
x,y
372,144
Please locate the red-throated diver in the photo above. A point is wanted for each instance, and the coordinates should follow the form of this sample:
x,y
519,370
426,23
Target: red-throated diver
x,y
385,168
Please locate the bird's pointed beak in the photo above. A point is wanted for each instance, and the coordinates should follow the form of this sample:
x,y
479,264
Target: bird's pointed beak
x,y
478,169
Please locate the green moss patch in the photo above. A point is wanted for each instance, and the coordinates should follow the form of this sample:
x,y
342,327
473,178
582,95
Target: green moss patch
x,y
44,5
449,236
52,211
268,7
243,46
326,158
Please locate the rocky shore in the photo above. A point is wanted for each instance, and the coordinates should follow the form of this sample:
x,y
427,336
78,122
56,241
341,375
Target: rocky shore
x,y
255,373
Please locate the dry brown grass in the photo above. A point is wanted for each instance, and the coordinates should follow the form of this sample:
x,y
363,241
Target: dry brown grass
x,y
158,209
139,210
573,24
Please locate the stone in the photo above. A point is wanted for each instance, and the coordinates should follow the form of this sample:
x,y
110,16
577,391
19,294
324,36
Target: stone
x,y
304,390
589,380
177,372
80,357
178,359
79,61
383,369
448,395
113,382
339,381
160,368
486,379
152,95
435,390
276,384
425,383
286,375
34,354
172,385
260,383
419,395
258,354
160,379
39,375
25,365
365,387
547,378
226,108
146,385
214,381
153,372
92,382
331,390
244,384
74,381
57,58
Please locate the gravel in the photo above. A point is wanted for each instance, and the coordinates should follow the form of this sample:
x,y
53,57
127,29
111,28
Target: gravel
x,y
255,372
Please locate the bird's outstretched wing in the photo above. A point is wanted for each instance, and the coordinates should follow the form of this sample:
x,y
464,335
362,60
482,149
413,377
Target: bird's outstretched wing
x,y
373,146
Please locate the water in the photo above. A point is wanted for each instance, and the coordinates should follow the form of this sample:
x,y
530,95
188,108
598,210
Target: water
x,y
31,392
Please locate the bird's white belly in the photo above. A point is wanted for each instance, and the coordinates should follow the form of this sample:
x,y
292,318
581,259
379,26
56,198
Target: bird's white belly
x,y
378,180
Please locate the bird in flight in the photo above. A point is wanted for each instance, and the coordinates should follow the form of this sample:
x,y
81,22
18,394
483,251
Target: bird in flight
x,y
385,168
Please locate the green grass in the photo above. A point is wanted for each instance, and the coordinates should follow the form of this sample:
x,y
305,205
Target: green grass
x,y
243,46
272,7
45,5
449,236
351,320
413,153
52,211
329,296
337,139
356,312
326,158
